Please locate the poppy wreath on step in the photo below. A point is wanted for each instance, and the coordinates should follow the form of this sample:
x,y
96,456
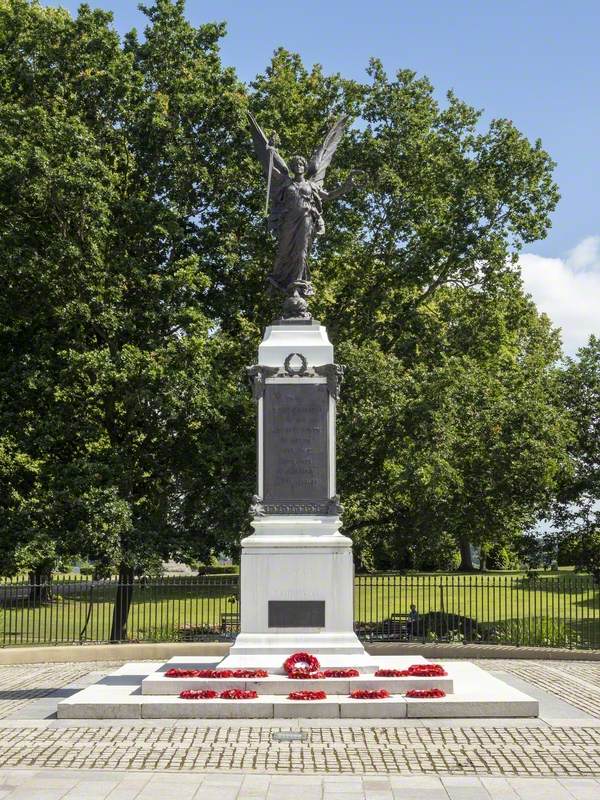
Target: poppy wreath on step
x,y
189,673
426,671
250,673
198,694
348,672
238,694
391,673
307,696
301,675
199,673
369,694
216,673
304,662
422,694
414,671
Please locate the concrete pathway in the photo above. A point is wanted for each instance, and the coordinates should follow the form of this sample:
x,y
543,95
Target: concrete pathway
x,y
103,785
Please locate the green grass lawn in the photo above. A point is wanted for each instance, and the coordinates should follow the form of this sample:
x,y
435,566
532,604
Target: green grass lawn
x,y
561,608
79,611
567,602
486,597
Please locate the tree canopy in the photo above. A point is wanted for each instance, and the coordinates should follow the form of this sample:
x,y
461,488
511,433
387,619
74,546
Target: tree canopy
x,y
576,515
133,256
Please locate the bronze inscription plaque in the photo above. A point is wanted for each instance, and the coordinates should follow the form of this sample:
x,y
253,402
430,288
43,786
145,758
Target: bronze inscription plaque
x,y
295,455
296,613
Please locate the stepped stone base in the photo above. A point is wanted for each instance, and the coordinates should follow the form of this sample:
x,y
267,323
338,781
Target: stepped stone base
x,y
279,684
128,693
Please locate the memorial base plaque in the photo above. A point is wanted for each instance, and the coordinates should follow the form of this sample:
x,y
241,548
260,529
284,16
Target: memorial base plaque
x,y
296,613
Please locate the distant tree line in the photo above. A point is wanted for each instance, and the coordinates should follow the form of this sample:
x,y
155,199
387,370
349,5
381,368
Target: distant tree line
x,y
133,253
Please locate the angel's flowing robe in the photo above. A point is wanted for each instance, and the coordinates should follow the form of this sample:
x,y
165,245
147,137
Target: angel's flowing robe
x,y
295,219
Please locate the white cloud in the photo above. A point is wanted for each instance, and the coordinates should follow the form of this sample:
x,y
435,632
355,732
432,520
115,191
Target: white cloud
x,y
567,290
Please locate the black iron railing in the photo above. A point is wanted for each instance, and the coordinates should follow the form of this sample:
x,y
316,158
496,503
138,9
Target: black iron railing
x,y
81,610
535,609
530,609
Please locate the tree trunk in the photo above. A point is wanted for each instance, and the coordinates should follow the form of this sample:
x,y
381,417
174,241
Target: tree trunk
x,y
124,596
39,585
466,558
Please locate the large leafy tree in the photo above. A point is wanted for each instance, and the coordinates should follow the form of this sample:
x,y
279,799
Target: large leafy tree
x,y
133,256
577,510
463,441
115,165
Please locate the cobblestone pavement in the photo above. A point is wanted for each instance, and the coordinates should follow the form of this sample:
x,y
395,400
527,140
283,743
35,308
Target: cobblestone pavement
x,y
358,749
20,685
576,682
460,759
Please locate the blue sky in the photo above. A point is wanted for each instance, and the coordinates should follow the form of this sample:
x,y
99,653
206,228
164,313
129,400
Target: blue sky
x,y
536,63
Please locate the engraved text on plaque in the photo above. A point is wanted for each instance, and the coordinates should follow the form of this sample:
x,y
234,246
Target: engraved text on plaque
x,y
295,452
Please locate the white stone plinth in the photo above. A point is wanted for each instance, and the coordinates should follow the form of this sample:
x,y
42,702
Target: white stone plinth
x,y
281,340
297,558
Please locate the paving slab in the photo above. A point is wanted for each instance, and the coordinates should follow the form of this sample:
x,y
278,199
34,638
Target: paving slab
x,y
310,709
175,708
198,785
581,789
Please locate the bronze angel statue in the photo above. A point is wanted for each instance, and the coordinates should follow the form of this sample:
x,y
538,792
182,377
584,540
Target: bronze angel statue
x,y
296,196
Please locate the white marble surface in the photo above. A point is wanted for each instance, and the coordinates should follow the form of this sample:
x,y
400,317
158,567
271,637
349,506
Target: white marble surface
x,y
296,557
310,564
267,651
281,340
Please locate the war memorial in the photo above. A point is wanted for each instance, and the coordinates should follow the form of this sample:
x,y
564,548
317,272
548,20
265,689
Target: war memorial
x,y
297,655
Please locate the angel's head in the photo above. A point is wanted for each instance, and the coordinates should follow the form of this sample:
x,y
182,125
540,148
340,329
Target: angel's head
x,y
298,165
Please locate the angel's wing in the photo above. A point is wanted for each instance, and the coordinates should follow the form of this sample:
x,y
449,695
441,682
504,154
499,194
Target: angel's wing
x,y
280,173
321,158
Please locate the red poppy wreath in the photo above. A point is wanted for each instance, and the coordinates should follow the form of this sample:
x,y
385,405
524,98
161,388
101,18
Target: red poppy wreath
x,y
426,670
422,694
414,671
307,696
238,694
250,673
302,675
369,694
210,694
216,673
347,672
304,662
392,673
189,673
198,694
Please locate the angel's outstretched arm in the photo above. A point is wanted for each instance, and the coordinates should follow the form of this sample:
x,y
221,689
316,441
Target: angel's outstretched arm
x,y
347,186
335,193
